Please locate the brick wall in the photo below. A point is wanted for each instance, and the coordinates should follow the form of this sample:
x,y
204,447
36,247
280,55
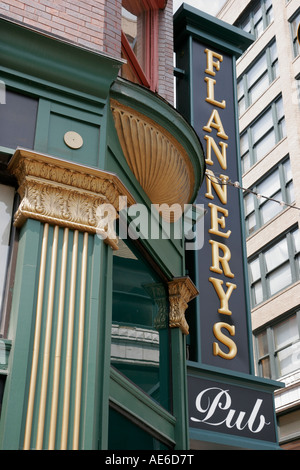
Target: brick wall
x,y
89,23
112,28
94,24
165,53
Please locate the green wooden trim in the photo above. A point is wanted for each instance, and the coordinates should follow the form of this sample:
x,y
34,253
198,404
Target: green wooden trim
x,y
241,379
216,33
184,80
42,125
57,61
227,441
37,87
125,396
48,109
179,386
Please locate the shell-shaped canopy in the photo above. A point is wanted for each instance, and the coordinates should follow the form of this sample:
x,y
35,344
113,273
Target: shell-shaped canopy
x,y
159,163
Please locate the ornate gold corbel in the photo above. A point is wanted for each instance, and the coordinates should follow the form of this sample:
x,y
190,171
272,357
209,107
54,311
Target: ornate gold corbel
x,y
66,194
181,291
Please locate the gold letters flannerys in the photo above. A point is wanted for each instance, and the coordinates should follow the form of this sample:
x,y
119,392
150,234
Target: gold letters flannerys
x,y
221,254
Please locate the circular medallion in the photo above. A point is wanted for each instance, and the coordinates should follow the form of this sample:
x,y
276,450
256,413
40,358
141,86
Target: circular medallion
x,y
73,140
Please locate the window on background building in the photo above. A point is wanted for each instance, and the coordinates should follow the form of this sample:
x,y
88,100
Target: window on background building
x,y
140,329
278,348
257,78
262,135
289,429
274,268
140,41
257,18
294,22
276,186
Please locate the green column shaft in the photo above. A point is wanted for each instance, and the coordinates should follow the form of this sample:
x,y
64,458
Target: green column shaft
x,y
59,369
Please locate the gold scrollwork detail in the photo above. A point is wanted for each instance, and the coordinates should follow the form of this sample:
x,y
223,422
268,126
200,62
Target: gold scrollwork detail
x,y
64,193
181,291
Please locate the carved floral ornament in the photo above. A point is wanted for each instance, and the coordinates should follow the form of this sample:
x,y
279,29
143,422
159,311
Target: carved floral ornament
x,y
64,193
181,291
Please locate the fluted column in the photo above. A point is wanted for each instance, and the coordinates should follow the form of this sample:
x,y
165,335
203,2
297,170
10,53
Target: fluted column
x,y
65,198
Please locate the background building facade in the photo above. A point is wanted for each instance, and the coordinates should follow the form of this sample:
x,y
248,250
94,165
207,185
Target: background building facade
x,y
269,118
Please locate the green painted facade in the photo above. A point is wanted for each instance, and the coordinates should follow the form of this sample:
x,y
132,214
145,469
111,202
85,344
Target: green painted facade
x,y
73,88
120,407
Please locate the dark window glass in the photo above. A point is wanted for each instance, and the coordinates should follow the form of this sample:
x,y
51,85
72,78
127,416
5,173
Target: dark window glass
x,y
17,121
140,335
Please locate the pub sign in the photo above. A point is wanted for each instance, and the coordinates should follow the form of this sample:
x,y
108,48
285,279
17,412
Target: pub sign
x,y
231,409
224,395
224,326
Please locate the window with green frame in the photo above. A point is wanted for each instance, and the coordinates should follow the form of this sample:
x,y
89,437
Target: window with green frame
x,y
294,24
257,18
140,329
275,267
263,134
258,77
277,185
278,348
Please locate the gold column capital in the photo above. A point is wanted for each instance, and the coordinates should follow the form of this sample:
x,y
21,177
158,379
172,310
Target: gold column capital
x,y
181,291
64,193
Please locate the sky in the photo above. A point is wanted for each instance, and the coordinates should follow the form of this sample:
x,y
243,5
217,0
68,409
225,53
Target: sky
x,y
212,6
